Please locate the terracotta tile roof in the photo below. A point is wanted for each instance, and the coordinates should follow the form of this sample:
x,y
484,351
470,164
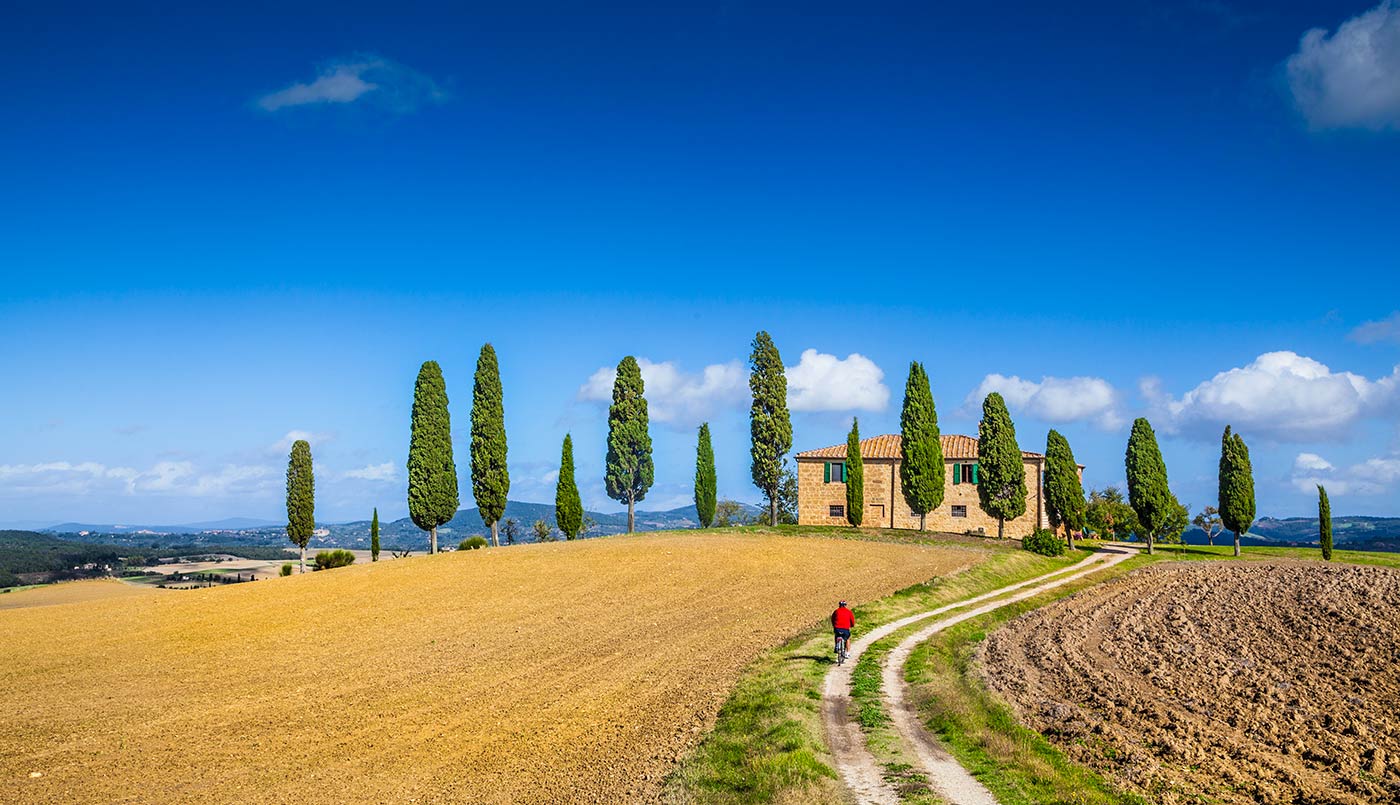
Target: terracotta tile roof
x,y
887,446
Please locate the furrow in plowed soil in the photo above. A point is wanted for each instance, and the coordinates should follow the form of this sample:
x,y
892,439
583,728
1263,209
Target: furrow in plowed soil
x,y
1240,683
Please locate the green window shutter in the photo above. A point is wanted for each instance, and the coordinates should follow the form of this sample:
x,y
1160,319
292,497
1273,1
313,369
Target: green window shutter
x,y
845,475
957,473
974,473
826,466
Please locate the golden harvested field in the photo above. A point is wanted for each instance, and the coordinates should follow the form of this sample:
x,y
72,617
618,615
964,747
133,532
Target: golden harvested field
x,y
72,592
569,672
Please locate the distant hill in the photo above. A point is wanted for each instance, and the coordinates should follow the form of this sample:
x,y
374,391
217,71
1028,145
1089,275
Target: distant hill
x,y
227,524
1355,532
393,535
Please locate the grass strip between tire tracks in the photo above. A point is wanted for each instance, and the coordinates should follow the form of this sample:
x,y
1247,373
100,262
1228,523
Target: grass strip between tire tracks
x,y
768,744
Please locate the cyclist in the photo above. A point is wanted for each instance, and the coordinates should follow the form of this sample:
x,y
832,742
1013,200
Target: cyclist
x,y
842,621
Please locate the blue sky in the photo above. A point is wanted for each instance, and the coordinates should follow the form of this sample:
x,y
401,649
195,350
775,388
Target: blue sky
x,y
221,228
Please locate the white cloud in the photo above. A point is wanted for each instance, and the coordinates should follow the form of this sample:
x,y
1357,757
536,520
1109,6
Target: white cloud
x,y
374,472
1053,399
284,444
1371,332
1374,476
1350,79
674,396
1281,395
1311,462
388,84
822,382
233,479
163,478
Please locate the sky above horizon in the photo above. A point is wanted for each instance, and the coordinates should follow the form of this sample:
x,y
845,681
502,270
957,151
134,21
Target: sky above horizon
x,y
222,230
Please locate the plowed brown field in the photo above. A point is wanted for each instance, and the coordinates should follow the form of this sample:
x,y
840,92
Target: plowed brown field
x,y
1242,683
572,672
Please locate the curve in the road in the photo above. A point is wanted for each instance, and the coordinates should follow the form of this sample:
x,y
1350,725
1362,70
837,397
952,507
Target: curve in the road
x,y
857,767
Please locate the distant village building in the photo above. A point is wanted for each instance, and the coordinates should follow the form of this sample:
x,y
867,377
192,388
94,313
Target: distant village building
x,y
821,488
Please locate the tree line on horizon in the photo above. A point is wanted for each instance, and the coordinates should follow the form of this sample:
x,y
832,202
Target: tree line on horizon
x,y
1150,512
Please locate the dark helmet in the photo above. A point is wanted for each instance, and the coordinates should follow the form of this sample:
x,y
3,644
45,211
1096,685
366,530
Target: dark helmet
x,y
842,604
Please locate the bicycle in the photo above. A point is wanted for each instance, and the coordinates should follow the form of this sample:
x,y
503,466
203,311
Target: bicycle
x,y
841,654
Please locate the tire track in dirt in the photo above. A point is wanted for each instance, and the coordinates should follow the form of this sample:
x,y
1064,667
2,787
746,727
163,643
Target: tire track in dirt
x,y
948,777
854,763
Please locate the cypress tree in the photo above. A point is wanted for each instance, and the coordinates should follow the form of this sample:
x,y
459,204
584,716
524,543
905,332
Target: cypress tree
x,y
374,536
1064,493
1324,522
770,426
705,479
432,474
629,470
568,507
301,497
1001,482
490,477
921,470
855,477
1148,492
1236,486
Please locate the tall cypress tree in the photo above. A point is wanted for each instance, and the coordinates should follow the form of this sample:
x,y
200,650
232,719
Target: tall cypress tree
x,y
1148,492
855,477
1324,522
921,470
1236,486
301,497
1064,493
629,470
374,536
490,478
705,479
770,426
432,474
568,507
1001,482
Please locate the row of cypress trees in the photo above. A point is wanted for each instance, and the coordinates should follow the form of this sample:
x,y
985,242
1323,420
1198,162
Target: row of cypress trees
x,y
1001,484
432,473
629,470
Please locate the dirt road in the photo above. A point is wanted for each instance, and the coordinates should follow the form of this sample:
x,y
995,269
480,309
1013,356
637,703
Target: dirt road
x,y
1236,683
569,672
857,767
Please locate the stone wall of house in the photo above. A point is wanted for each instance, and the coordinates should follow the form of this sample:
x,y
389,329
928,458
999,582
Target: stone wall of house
x,y
885,506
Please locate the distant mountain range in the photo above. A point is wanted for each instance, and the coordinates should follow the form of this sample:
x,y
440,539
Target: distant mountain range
x,y
227,524
1356,532
393,534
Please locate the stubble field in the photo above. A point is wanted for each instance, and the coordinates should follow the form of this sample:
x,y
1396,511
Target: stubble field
x,y
572,672
1272,682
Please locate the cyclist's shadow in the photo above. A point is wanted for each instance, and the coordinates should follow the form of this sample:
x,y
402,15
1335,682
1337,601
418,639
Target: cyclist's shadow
x,y
829,659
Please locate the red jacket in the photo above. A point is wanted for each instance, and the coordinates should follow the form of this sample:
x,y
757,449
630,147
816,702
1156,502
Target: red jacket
x,y
843,618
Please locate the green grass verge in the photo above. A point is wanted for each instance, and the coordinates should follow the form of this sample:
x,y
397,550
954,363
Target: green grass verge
x,y
767,744
1188,553
1016,764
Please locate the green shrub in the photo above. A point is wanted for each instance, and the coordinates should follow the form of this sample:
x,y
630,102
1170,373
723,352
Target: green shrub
x,y
1044,542
286,568
325,560
472,543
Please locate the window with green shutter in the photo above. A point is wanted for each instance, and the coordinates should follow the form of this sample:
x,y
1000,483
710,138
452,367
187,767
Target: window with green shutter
x,y
835,472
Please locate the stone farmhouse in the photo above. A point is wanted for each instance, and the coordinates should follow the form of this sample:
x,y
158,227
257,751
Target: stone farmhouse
x,y
821,489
